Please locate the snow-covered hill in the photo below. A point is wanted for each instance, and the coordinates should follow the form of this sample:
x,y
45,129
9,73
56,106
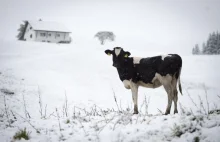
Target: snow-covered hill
x,y
78,81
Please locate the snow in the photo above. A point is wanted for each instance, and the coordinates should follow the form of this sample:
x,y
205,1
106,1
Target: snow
x,y
80,76
48,26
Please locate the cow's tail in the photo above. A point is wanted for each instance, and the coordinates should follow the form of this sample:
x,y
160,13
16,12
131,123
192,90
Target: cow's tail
x,y
180,87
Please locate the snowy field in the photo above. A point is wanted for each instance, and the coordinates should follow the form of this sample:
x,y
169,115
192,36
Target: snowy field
x,y
72,93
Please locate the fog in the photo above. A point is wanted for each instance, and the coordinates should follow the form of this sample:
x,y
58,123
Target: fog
x,y
177,25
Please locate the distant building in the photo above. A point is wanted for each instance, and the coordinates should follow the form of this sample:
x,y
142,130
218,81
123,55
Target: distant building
x,y
46,32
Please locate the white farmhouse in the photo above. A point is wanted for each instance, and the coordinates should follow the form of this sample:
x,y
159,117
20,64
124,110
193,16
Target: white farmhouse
x,y
46,32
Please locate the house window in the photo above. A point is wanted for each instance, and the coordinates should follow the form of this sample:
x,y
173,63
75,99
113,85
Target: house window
x,y
31,36
43,34
49,34
57,35
30,28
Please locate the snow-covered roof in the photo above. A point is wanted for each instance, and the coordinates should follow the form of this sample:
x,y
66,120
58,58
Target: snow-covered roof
x,y
48,26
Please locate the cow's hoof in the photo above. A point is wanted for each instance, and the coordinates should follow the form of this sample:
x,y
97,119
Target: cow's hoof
x,y
166,113
135,112
175,111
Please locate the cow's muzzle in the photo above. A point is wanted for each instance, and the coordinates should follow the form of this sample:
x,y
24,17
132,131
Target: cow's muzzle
x,y
115,65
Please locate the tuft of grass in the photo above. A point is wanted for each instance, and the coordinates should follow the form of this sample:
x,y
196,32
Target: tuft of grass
x,y
22,134
7,92
216,111
176,130
196,139
67,121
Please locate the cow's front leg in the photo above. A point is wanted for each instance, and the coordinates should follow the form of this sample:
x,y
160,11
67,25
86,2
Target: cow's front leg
x,y
134,90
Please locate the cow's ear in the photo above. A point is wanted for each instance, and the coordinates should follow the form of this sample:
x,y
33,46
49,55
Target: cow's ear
x,y
108,52
127,54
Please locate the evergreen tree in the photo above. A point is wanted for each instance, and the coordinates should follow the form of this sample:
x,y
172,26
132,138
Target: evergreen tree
x,y
193,51
203,48
21,30
208,45
218,43
196,50
213,46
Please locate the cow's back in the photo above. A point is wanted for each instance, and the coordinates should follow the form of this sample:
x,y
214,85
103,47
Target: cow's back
x,y
147,68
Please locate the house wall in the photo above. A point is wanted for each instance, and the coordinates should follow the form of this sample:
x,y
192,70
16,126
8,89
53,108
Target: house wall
x,y
29,33
45,36
48,36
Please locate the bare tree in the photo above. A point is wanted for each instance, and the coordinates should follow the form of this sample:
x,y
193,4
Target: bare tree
x,y
105,35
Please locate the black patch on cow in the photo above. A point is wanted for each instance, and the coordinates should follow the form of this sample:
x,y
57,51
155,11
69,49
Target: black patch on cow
x,y
126,72
148,67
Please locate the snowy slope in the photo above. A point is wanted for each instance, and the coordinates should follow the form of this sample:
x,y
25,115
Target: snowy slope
x,y
82,76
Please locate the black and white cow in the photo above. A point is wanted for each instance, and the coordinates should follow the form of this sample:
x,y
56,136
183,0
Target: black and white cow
x,y
151,72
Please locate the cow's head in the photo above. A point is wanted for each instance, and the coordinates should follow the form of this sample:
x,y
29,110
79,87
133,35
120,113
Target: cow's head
x,y
119,56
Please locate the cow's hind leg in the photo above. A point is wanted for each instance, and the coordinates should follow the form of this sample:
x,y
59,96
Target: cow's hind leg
x,y
169,91
175,99
175,94
134,90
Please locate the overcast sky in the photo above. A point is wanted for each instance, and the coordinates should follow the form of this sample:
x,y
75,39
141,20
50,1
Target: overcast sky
x,y
176,23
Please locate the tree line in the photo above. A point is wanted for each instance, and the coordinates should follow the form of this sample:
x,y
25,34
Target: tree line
x,y
210,47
